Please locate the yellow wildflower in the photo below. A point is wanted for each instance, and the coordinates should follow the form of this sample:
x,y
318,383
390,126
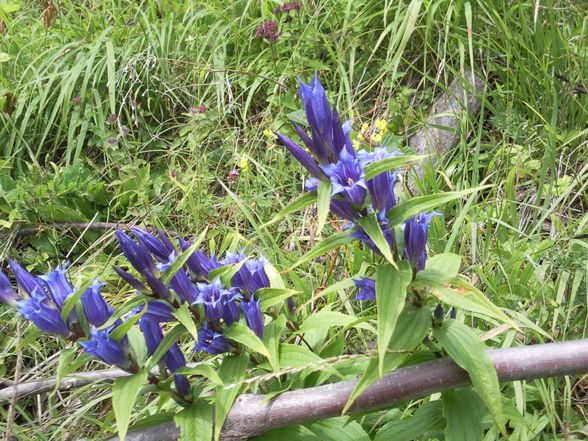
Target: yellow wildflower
x,y
376,137
364,127
244,165
356,144
381,125
269,134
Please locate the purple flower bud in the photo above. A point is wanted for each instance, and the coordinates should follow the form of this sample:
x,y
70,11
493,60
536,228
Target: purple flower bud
x,y
129,279
26,280
152,244
157,312
415,239
76,99
198,263
253,316
367,289
135,253
251,277
97,310
7,293
58,285
304,158
112,117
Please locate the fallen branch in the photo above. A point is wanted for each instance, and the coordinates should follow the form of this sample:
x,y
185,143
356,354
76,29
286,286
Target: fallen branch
x,y
252,415
27,231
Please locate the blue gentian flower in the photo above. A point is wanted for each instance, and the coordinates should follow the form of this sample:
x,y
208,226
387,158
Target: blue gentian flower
x,y
198,262
347,178
180,282
58,285
97,310
367,288
157,312
251,277
415,239
39,310
104,348
7,293
211,342
218,302
300,154
253,316
232,258
26,280
130,279
155,246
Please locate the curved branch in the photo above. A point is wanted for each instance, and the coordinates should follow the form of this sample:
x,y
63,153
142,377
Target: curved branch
x,y
27,231
252,415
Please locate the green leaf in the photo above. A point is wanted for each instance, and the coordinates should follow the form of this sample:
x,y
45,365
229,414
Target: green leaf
x,y
203,370
326,319
391,284
121,330
468,300
274,276
184,316
290,433
339,429
411,207
64,364
137,300
182,259
334,241
464,413
271,338
195,422
466,349
372,227
242,334
227,272
295,356
302,202
323,204
168,340
124,395
426,418
375,168
4,57
272,296
71,301
232,371
412,327
441,268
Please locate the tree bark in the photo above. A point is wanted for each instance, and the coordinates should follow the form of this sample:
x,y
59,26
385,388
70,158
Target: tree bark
x,y
251,415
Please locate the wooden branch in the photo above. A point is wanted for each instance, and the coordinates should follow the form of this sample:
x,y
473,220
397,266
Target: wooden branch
x,y
27,231
251,415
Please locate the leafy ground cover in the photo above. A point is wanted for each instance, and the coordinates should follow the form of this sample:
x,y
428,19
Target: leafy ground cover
x,y
161,114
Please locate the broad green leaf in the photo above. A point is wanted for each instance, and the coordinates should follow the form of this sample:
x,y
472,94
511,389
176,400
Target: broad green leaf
x,y
334,241
371,226
182,259
271,339
295,356
71,301
440,268
411,207
274,276
326,319
4,57
121,330
137,345
232,371
323,204
272,296
242,334
302,202
339,429
466,349
124,395
463,411
9,7
195,422
184,316
426,418
375,168
168,340
413,325
465,299
203,370
391,284
290,433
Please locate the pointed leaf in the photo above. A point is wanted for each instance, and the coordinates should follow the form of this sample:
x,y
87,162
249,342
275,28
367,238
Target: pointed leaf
x,y
334,241
231,372
375,168
124,395
302,202
195,422
323,204
372,227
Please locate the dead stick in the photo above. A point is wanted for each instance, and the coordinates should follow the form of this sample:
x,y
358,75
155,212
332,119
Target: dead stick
x,y
251,415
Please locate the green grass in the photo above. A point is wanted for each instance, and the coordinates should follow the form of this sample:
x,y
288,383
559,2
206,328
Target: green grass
x,y
162,164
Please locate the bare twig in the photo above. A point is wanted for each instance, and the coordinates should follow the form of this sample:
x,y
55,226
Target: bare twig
x,y
252,415
27,231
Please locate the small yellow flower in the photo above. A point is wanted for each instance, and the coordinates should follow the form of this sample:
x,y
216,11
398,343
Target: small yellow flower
x,y
244,165
269,134
361,137
381,125
376,137
364,127
356,144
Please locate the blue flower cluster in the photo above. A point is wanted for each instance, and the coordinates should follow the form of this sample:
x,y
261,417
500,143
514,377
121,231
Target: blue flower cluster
x,y
212,304
333,159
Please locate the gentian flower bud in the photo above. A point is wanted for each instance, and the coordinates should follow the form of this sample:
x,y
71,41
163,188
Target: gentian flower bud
x,y
97,310
104,348
7,293
198,262
26,280
135,253
415,239
58,285
129,279
367,289
253,316
152,244
157,312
